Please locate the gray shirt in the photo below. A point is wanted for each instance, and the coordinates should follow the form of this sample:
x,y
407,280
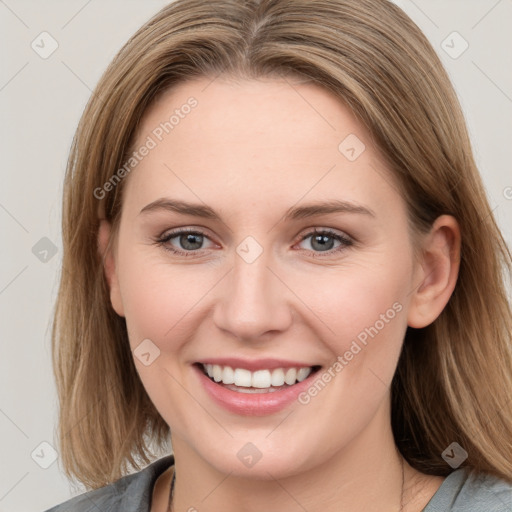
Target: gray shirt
x,y
460,492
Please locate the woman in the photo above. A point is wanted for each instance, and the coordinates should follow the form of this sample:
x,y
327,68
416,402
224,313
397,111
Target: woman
x,y
279,256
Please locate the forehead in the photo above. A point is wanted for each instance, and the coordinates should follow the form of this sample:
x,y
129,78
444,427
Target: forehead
x,y
267,113
247,140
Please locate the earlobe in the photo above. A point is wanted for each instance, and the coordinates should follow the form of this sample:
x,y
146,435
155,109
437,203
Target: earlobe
x,y
437,272
109,265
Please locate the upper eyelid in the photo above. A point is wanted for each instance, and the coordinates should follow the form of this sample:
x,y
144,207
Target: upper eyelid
x,y
178,231
168,235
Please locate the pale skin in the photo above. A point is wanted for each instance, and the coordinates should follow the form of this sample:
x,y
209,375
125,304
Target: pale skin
x,y
251,150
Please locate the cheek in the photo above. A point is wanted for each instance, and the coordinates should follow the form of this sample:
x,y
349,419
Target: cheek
x,y
361,314
362,318
161,304
159,299
349,302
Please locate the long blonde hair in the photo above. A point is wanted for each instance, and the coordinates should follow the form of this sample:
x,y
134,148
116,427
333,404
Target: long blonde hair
x,y
454,377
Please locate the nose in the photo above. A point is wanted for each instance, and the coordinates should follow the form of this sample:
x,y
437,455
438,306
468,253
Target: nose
x,y
253,300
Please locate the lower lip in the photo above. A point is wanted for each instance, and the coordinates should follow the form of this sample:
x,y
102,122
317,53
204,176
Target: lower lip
x,y
253,404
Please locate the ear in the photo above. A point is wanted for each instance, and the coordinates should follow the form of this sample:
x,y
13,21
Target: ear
x,y
109,265
436,273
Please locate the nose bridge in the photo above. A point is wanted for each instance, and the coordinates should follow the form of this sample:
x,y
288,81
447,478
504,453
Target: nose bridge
x,y
253,300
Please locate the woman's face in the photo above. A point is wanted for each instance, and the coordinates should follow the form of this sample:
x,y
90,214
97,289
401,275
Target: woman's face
x,y
252,169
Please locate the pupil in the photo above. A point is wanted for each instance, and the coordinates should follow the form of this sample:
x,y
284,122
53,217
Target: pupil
x,y
323,241
187,241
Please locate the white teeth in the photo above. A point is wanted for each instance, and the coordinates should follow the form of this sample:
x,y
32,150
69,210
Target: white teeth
x,y
228,375
290,376
217,373
303,373
243,378
260,379
278,377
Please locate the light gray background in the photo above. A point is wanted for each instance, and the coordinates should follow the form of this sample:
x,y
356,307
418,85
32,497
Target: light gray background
x,y
41,101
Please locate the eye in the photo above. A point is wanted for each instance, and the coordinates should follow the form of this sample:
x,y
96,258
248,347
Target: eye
x,y
189,241
324,240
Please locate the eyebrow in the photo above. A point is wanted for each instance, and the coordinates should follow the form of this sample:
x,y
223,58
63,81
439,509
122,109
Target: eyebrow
x,y
293,213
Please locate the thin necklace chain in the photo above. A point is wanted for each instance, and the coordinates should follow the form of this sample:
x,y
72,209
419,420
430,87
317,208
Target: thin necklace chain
x,y
401,498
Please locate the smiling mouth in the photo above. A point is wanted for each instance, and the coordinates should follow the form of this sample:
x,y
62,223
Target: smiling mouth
x,y
242,380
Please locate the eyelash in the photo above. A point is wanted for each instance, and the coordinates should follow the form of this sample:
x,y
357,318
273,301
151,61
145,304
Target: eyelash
x,y
345,241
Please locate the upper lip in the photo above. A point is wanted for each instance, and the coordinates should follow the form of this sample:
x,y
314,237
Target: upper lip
x,y
255,364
